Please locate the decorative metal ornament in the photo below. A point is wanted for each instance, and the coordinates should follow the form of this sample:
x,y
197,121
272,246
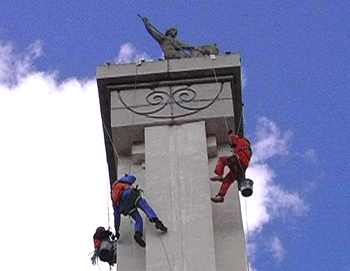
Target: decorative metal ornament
x,y
181,97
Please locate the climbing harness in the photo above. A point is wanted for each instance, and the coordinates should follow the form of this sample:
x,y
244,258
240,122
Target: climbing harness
x,y
131,203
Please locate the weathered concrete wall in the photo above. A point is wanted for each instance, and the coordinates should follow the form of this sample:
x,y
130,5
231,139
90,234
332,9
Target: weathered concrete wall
x,y
202,235
177,176
230,249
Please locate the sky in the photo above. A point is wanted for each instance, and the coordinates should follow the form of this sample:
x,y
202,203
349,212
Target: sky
x,y
54,179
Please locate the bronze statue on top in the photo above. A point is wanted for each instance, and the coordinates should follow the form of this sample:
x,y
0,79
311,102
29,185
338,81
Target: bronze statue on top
x,y
175,49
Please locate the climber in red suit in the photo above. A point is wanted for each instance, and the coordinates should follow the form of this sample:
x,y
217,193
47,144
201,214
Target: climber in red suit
x,y
237,163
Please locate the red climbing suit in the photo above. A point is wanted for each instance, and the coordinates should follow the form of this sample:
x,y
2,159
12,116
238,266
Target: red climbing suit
x,y
237,163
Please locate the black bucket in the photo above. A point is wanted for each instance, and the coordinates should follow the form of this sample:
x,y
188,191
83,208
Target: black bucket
x,y
246,187
106,250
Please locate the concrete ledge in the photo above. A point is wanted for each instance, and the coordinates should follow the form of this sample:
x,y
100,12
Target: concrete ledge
x,y
173,68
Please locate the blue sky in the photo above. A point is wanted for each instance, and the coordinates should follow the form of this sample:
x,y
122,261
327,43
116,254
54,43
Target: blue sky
x,y
295,60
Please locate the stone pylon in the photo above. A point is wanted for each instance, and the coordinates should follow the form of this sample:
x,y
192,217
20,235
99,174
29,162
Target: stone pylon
x,y
166,122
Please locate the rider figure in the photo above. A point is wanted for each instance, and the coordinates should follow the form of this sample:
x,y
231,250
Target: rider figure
x,y
172,47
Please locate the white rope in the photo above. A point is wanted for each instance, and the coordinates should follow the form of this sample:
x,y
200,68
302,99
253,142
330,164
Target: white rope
x,y
135,84
241,118
133,115
247,239
111,140
227,129
166,254
108,197
132,237
216,79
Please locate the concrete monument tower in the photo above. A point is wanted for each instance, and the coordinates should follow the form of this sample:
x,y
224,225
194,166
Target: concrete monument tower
x,y
166,122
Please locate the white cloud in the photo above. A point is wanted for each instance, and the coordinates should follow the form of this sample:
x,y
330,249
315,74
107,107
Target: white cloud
x,y
277,249
128,53
252,248
311,155
53,192
269,199
14,67
54,189
270,141
24,64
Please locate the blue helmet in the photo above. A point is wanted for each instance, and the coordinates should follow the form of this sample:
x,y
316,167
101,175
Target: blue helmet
x,y
128,178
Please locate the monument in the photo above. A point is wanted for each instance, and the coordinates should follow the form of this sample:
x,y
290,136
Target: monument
x,y
174,48
166,122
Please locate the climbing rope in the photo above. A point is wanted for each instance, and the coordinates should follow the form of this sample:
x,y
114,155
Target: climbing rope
x,y
240,121
138,64
98,266
216,80
246,206
111,140
247,239
108,197
135,84
212,62
241,117
132,237
166,253
97,262
227,129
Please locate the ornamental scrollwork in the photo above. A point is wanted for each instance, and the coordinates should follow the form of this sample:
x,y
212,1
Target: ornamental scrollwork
x,y
158,100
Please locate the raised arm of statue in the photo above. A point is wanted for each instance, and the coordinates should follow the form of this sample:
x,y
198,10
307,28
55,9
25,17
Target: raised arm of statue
x,y
159,37
174,48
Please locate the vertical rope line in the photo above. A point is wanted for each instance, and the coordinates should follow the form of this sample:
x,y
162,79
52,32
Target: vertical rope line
x,y
110,139
133,115
227,129
216,79
108,185
241,118
247,226
240,121
132,242
135,84
166,253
